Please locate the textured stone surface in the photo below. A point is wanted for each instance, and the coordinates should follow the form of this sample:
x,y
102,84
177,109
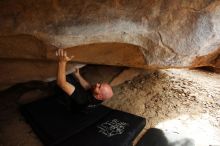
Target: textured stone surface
x,y
16,71
126,75
119,54
166,34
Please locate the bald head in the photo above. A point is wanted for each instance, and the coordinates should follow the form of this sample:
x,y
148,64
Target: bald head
x,y
106,91
102,91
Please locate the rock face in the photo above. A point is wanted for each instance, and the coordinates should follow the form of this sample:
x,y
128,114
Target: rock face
x,y
141,33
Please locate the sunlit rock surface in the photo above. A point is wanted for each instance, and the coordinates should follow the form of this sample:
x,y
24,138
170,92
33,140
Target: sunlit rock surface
x,y
142,33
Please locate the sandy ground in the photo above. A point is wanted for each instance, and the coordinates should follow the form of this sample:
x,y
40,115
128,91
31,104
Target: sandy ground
x,y
181,102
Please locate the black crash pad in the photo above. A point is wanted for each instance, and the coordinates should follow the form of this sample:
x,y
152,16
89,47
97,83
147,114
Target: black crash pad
x,y
153,137
116,129
158,137
56,126
53,123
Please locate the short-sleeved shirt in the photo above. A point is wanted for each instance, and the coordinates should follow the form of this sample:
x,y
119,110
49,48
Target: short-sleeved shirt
x,y
80,99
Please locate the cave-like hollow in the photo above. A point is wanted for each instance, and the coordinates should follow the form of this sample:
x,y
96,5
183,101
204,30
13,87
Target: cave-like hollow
x,y
161,57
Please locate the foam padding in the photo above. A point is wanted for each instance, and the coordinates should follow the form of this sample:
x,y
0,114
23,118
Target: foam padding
x,y
116,129
101,126
54,124
153,137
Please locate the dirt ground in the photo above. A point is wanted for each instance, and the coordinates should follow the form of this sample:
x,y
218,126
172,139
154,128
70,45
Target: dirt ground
x,y
181,102
186,102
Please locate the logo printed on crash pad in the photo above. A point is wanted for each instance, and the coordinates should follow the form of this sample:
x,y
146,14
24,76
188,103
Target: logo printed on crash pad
x,y
113,127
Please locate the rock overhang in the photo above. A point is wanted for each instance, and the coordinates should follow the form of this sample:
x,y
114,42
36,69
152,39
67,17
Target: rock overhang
x,y
159,34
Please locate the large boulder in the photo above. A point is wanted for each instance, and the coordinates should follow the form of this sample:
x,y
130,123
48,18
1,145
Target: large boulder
x,y
141,33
